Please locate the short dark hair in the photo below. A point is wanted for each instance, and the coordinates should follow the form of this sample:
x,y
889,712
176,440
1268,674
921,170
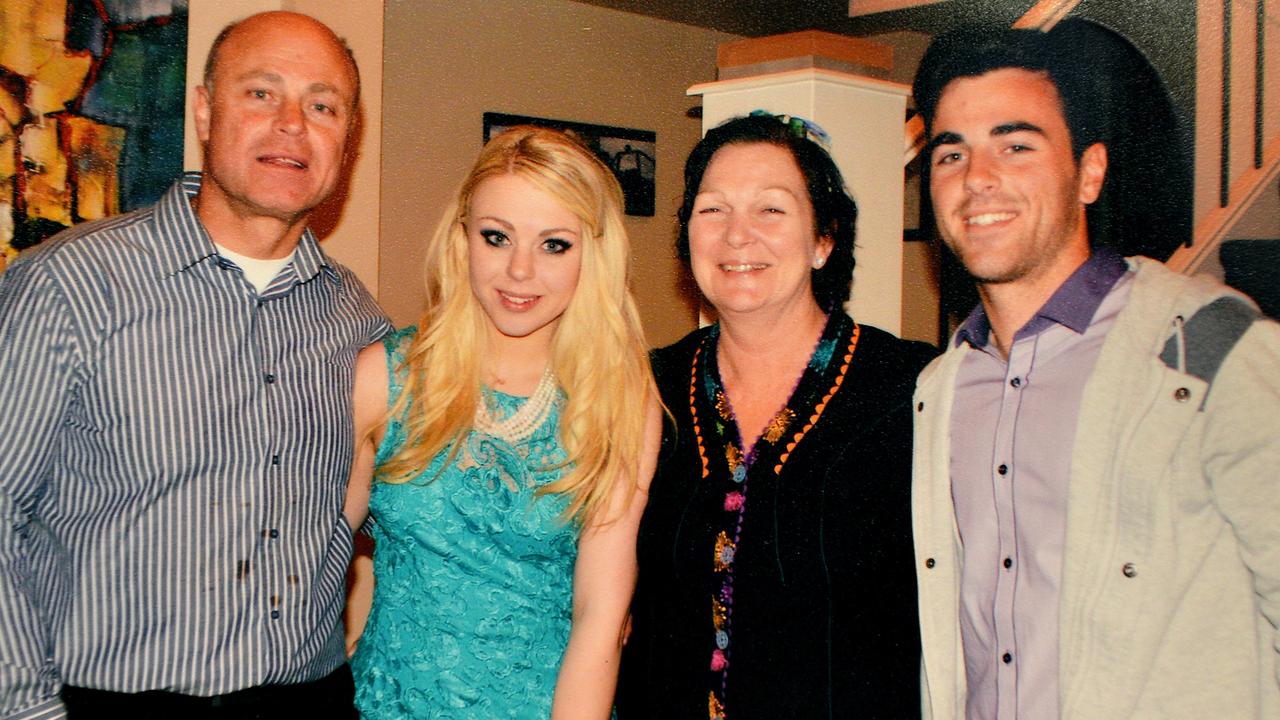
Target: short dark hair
x,y
1110,93
972,51
211,60
834,212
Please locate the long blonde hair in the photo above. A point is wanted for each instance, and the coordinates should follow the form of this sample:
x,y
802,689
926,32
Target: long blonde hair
x,y
598,353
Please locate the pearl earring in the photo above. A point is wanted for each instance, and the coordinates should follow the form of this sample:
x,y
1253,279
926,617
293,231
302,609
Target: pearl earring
x,y
818,262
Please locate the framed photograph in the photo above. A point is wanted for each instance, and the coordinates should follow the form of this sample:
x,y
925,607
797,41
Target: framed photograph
x,y
631,154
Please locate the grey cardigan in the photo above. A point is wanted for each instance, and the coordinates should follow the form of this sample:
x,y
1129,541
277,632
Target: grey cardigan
x,y
1171,576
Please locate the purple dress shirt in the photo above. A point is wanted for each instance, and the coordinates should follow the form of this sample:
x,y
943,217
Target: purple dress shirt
x,y
1012,436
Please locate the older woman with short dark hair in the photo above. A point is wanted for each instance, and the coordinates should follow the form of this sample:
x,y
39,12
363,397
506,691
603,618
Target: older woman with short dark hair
x,y
776,571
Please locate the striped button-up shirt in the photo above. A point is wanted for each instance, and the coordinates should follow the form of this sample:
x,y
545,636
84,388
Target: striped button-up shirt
x,y
175,455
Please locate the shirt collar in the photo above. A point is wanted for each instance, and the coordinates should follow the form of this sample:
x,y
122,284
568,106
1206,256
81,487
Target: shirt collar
x,y
1072,305
975,329
180,240
183,241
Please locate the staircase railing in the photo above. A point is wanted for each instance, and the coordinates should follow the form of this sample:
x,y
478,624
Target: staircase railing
x,y
1237,121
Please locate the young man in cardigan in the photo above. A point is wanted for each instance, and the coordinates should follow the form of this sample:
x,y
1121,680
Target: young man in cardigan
x,y
1095,498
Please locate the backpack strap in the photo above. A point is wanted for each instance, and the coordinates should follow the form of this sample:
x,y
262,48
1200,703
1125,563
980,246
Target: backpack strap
x,y
1199,346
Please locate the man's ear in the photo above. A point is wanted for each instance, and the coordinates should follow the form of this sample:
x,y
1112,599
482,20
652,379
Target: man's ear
x,y
1092,173
201,108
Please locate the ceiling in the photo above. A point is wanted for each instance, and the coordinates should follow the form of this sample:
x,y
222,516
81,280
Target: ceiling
x,y
755,18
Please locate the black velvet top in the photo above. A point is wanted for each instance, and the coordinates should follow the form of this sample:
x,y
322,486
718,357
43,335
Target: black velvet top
x,y
788,591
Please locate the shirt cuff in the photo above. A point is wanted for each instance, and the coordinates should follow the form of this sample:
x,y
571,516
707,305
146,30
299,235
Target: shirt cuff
x,y
51,709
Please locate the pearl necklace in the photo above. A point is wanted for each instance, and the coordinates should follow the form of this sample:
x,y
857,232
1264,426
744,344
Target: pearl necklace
x,y
521,424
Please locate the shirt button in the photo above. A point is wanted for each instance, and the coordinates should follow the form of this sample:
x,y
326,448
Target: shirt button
x,y
275,459
1181,394
920,407
930,563
269,378
1008,563
273,533
1007,658
1003,469
1016,382
1129,570
275,615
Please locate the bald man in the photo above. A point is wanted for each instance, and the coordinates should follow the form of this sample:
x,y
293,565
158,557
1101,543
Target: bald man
x,y
176,419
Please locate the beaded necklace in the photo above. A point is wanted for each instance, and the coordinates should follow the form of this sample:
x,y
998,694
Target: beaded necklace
x,y
491,431
705,373
522,423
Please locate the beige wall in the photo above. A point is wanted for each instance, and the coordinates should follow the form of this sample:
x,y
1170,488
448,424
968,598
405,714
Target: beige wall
x,y
920,293
920,270
348,224
447,63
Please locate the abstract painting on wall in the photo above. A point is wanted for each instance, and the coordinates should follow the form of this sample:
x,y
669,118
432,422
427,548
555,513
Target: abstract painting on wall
x,y
91,111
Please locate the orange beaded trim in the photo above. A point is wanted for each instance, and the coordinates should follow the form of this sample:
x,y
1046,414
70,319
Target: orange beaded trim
x,y
817,411
693,408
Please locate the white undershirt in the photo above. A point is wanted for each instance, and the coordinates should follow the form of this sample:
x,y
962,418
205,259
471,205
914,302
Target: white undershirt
x,y
257,271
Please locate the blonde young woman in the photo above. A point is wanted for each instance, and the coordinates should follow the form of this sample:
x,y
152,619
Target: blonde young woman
x,y
506,447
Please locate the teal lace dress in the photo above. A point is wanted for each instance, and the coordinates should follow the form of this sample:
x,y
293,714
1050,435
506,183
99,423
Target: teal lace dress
x,y
474,577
